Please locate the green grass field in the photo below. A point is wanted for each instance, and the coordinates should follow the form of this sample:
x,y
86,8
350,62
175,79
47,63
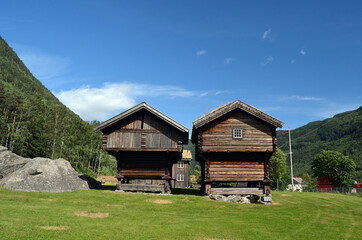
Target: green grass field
x,y
104,214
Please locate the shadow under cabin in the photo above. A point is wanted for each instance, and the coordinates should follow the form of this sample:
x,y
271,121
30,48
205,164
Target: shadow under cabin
x,y
146,144
233,145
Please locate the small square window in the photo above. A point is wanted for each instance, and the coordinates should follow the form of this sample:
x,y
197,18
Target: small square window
x,y
180,164
180,177
237,133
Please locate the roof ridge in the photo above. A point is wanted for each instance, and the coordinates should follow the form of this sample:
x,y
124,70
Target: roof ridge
x,y
216,113
136,108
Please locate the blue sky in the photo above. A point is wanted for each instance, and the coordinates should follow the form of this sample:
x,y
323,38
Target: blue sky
x,y
298,61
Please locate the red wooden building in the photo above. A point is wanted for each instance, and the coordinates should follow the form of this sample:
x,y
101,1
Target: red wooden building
x,y
146,143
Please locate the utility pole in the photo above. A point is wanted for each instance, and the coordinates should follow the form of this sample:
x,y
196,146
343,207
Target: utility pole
x,y
291,158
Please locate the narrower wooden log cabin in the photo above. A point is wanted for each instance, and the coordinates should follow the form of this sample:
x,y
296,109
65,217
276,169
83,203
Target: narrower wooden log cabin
x,y
233,145
146,143
181,170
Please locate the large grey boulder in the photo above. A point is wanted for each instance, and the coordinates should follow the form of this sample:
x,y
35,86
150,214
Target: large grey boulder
x,y
10,162
41,175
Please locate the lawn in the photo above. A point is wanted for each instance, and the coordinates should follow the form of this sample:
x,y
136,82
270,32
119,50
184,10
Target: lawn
x,y
104,214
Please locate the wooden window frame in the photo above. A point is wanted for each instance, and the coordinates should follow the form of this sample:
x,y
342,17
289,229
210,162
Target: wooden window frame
x,y
180,164
180,177
237,133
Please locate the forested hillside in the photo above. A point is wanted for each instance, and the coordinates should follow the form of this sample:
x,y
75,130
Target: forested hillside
x,y
34,123
342,133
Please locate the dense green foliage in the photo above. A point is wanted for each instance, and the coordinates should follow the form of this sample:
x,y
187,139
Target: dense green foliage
x,y
309,182
342,133
335,167
190,146
101,214
278,171
34,123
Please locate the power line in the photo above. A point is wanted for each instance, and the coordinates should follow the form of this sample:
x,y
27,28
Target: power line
x,y
305,133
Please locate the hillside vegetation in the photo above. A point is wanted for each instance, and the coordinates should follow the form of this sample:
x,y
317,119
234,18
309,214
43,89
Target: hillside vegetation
x,y
34,123
342,133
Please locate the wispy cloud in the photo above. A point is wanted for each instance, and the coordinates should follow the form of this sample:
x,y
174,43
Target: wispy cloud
x,y
228,60
333,110
44,66
99,103
267,60
266,34
201,52
292,61
303,52
304,98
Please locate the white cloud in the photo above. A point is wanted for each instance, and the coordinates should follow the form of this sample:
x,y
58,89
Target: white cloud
x,y
303,52
228,60
267,60
305,98
45,66
266,33
201,52
100,103
292,61
333,110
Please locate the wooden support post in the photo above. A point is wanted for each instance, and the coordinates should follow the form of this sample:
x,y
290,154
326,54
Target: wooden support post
x,y
266,174
208,188
119,175
167,186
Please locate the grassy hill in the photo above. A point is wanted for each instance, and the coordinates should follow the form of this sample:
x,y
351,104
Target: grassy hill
x,y
341,133
101,214
34,123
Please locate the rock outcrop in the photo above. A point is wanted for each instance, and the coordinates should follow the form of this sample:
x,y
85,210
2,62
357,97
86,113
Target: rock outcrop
x,y
41,175
10,162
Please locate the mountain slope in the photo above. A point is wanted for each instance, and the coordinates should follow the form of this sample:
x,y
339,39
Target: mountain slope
x,y
341,133
34,123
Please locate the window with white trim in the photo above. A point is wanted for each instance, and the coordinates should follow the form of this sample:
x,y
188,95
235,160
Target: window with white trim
x,y
180,164
180,177
238,133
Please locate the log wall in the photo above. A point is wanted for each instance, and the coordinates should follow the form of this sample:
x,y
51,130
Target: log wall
x,y
258,136
235,167
146,165
142,131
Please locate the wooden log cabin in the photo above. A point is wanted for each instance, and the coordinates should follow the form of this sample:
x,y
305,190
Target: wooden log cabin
x,y
146,143
181,170
233,144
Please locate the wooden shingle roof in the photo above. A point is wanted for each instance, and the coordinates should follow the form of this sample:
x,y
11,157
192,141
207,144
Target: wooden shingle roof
x,y
143,106
232,106
186,155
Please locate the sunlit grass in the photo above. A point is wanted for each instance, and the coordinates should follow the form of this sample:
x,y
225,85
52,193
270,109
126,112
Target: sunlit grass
x,y
109,215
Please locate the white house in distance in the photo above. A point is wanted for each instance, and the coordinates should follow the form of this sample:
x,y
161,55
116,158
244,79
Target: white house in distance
x,y
298,184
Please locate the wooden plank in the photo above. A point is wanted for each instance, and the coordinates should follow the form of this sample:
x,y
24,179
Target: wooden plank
x,y
226,178
237,172
237,191
141,149
143,188
240,167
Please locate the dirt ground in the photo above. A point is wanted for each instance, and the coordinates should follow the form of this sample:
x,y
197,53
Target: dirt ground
x,y
107,180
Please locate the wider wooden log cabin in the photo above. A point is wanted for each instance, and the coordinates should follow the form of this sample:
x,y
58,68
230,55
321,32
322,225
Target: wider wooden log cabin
x,y
233,145
146,143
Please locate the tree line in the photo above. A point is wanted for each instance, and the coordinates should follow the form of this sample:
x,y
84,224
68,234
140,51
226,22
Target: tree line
x,y
34,123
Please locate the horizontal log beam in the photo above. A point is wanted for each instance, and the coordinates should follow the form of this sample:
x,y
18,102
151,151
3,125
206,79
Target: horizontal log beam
x,y
143,188
141,149
237,191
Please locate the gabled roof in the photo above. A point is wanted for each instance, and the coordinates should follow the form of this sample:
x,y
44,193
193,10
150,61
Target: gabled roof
x,y
232,106
186,155
142,106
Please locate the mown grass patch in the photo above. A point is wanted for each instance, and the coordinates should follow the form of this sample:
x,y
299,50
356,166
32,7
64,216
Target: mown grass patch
x,y
25,215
